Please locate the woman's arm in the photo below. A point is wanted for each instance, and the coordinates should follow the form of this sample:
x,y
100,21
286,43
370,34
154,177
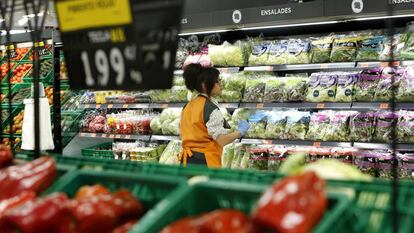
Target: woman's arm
x,y
225,139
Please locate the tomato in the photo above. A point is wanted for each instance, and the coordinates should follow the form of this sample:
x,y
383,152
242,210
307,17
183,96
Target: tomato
x,y
88,191
293,205
224,221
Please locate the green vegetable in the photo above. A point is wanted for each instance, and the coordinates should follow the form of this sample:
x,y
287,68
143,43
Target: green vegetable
x,y
278,54
339,127
239,151
395,44
275,127
362,127
234,82
255,88
156,125
171,152
344,49
298,51
257,121
385,86
405,127
405,91
328,83
228,155
276,156
227,54
367,85
293,164
295,89
366,162
297,125
275,90
369,48
345,88
331,169
259,157
227,96
407,53
314,88
321,49
319,125
260,54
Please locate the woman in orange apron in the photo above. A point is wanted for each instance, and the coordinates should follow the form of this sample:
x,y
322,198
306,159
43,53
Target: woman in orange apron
x,y
203,127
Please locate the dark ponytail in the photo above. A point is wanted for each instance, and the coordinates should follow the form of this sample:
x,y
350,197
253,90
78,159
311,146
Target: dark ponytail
x,y
195,75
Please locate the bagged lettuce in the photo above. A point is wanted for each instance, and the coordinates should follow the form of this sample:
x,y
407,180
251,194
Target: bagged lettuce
x,y
155,125
385,86
276,124
405,127
370,48
319,125
295,89
344,49
298,51
327,85
367,85
278,53
345,88
238,115
259,156
297,125
339,130
314,88
182,53
227,54
240,150
171,152
405,92
233,82
321,49
383,129
255,88
394,44
275,90
407,53
228,96
277,155
362,127
257,121
228,155
259,54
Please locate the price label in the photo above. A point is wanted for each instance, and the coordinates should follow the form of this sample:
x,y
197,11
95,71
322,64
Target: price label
x,y
11,51
324,66
268,142
260,105
125,106
164,106
118,136
128,137
225,105
364,65
317,144
110,105
93,135
384,106
111,136
390,64
111,45
104,135
320,106
41,48
98,106
87,106
269,68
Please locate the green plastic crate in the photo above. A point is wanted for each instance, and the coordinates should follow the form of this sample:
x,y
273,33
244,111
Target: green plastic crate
x,y
5,80
212,195
94,152
149,189
372,205
16,88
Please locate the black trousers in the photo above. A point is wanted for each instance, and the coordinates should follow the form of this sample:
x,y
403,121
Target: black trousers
x,y
197,159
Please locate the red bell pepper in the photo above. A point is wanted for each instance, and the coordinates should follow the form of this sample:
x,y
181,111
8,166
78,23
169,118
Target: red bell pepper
x,y
50,214
16,201
6,156
125,228
93,190
105,212
224,221
190,225
293,205
33,176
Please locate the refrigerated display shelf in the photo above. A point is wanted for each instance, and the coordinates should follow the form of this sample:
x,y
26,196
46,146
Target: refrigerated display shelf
x,y
115,136
148,105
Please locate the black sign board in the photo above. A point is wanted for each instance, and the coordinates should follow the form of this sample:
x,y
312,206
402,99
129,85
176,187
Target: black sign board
x,y
120,44
355,7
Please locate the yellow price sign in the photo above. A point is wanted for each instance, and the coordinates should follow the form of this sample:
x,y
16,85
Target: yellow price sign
x,y
83,14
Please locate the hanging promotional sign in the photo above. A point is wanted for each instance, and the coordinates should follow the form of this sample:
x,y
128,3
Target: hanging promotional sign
x,y
120,44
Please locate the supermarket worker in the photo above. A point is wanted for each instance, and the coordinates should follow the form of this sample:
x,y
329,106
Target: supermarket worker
x,y
202,126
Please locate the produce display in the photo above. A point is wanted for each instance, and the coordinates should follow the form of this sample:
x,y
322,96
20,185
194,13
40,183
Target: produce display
x,y
255,87
17,124
344,48
171,152
46,66
260,53
383,129
228,54
297,125
298,51
178,93
319,125
18,97
19,72
345,89
321,49
7,142
128,122
5,69
405,127
257,121
276,125
167,123
267,214
367,84
278,54
18,54
405,92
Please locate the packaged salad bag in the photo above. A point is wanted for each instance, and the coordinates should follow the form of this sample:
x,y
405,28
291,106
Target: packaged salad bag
x,y
297,125
278,53
257,122
362,127
321,49
339,130
274,90
370,48
345,88
276,125
260,53
319,125
298,51
314,88
295,89
344,48
383,126
392,44
405,127
385,86
405,92
367,85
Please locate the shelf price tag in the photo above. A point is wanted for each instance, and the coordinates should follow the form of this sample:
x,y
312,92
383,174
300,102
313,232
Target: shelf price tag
x,y
110,45
98,106
324,66
87,106
390,64
110,105
128,137
320,106
111,136
125,106
259,105
164,106
117,136
317,144
384,106
104,135
93,135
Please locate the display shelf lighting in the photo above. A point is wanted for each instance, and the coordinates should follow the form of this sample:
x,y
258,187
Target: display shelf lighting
x,y
289,25
383,17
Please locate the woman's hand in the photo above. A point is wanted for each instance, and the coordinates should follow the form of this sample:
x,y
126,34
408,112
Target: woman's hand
x,y
243,127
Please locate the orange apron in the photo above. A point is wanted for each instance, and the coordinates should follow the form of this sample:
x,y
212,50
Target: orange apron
x,y
194,134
